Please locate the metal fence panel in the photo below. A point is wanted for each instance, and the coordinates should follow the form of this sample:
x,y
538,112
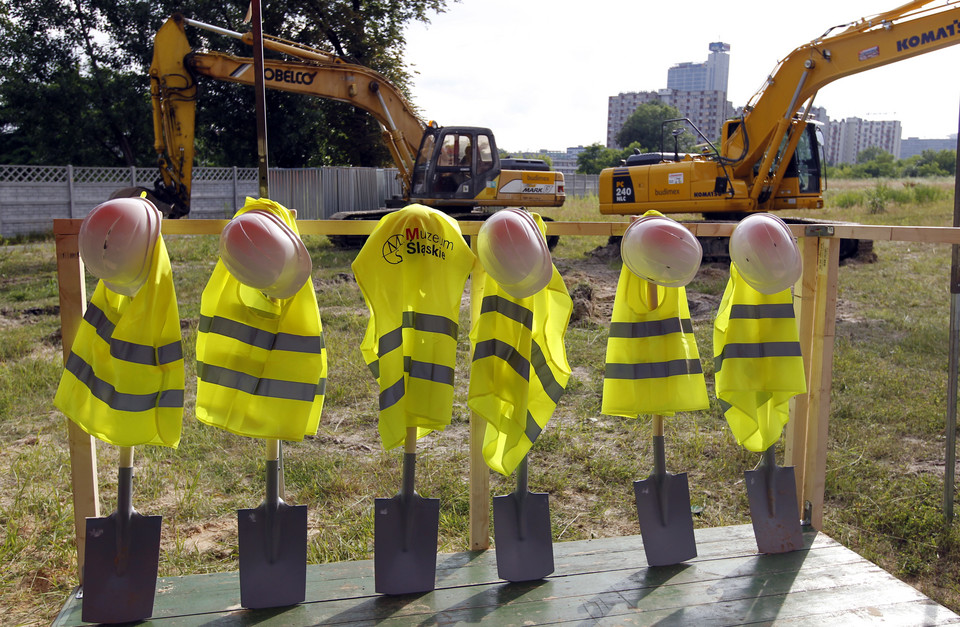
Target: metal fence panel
x,y
31,197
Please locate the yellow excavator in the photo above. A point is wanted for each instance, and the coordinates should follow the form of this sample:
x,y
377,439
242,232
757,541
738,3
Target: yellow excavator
x,y
456,169
770,158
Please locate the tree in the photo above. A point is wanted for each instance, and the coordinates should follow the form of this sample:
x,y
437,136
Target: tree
x,y
65,96
596,157
645,127
80,94
930,163
874,162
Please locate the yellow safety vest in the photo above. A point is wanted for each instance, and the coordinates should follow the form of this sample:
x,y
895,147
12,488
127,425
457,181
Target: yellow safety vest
x,y
757,361
123,381
519,369
261,362
652,365
412,271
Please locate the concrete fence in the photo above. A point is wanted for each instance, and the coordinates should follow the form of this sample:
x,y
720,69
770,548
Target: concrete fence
x,y
31,197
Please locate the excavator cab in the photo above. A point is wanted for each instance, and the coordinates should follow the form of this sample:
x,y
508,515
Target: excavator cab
x,y
454,163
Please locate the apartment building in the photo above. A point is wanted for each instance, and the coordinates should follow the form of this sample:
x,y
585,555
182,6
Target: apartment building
x,y
845,139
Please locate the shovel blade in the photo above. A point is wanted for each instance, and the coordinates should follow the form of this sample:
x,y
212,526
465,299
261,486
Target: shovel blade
x,y
777,531
405,544
666,523
524,542
273,556
120,574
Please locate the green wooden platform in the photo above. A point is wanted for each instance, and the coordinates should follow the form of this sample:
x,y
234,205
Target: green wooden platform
x,y
597,582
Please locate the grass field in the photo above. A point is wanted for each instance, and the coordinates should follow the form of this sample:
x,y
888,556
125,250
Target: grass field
x,y
884,469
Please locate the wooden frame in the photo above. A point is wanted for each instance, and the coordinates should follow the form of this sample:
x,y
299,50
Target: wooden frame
x,y
806,435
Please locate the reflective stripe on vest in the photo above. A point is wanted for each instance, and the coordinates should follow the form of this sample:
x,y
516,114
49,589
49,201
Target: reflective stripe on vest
x,y
653,365
412,271
123,381
261,363
519,369
757,362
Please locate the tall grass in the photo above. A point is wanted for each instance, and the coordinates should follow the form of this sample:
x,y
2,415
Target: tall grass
x,y
885,469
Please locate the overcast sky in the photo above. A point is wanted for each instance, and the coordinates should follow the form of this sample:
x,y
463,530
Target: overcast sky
x,y
540,72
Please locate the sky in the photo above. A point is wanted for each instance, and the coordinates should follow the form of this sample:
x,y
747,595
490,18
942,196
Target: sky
x,y
540,72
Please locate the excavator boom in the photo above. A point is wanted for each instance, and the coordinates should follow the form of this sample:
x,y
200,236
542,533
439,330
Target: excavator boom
x,y
429,170
910,30
769,159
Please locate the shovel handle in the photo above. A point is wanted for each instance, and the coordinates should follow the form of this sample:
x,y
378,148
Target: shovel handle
x,y
125,486
273,475
409,464
769,458
126,457
770,461
522,478
273,450
653,299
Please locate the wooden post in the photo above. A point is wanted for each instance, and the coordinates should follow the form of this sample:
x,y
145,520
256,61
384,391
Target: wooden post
x,y
83,452
479,473
818,329
795,440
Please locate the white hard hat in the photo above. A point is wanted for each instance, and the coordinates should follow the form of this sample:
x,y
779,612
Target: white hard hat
x,y
661,250
262,252
765,253
514,252
116,242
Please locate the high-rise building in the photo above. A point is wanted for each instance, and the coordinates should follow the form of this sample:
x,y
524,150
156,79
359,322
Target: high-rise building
x,y
711,75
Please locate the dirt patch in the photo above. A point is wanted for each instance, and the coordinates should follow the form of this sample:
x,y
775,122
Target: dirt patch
x,y
217,537
592,283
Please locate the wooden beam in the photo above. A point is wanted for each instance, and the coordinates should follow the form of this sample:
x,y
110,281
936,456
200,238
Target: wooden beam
x,y
83,452
930,234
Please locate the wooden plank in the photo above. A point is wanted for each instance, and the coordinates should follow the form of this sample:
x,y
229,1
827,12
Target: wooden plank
x,y
594,582
932,234
83,452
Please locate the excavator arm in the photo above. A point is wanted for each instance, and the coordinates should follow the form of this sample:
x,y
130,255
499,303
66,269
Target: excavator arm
x,y
314,73
456,168
775,112
768,158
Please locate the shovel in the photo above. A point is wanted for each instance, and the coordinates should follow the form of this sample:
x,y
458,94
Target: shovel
x,y
122,555
772,492
521,525
663,500
273,546
663,507
405,534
